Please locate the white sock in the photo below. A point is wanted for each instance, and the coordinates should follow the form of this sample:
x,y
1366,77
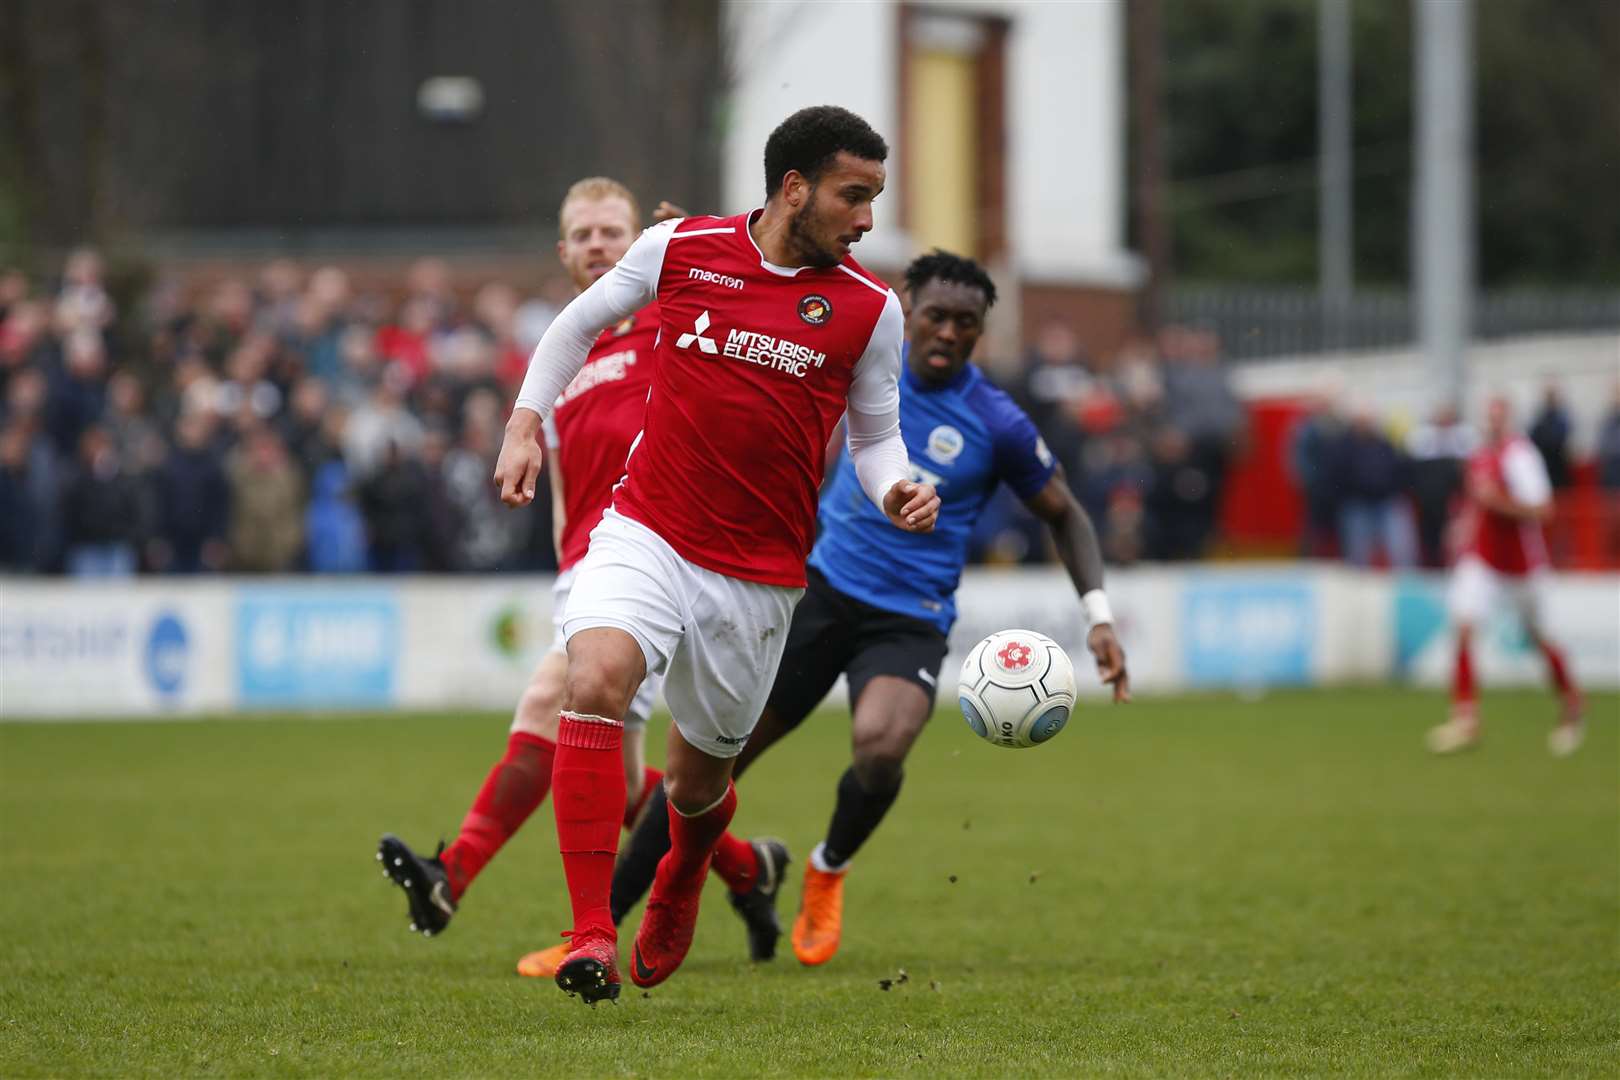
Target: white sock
x,y
818,859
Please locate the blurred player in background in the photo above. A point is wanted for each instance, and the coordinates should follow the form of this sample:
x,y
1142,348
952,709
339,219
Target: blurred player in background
x,y
1501,547
769,332
880,604
595,421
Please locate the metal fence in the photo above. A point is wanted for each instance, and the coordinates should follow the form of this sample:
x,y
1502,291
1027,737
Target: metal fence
x,y
1260,323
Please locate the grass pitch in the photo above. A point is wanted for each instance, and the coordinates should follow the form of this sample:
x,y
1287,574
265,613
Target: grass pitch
x,y
1182,886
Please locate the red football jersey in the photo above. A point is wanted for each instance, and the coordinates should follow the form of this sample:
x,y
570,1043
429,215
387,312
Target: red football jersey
x,y
1508,545
754,368
596,421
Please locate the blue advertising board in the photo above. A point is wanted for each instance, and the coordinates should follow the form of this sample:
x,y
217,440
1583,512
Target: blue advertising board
x,y
316,648
1248,632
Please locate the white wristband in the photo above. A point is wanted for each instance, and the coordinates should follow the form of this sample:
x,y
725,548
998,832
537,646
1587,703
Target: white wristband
x,y
1097,610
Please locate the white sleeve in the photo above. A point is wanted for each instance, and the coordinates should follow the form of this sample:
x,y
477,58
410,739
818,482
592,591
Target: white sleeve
x,y
622,291
875,446
1526,474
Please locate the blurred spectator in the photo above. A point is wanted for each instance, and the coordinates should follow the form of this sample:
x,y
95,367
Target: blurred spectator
x,y
78,390
1550,432
303,426
134,433
28,486
194,503
1054,389
1179,508
382,422
1313,456
392,498
101,512
1608,468
1372,477
13,290
1439,452
1204,431
267,504
336,532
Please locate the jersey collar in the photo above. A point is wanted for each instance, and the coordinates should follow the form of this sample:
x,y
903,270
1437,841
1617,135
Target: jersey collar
x,y
764,263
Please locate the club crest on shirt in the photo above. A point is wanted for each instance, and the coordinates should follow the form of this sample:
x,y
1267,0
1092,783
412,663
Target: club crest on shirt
x,y
626,324
815,309
945,444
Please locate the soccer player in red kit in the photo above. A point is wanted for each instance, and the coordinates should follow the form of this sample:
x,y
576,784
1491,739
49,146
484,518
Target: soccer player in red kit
x,y
1501,546
769,332
594,422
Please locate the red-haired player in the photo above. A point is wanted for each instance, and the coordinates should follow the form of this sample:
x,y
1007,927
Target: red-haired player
x,y
1501,547
594,423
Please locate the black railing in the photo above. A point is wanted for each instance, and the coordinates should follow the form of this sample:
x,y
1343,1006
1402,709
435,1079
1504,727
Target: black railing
x,y
1274,322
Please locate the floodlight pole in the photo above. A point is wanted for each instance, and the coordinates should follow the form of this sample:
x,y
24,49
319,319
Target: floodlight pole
x,y
1443,203
1335,247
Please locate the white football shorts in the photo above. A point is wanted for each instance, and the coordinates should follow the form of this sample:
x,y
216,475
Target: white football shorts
x,y
1475,587
716,640
646,699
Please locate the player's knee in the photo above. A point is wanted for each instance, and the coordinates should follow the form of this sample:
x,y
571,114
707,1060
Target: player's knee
x,y
599,689
537,710
691,795
880,767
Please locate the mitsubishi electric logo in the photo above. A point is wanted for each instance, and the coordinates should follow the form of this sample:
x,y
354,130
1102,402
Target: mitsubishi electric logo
x,y
699,328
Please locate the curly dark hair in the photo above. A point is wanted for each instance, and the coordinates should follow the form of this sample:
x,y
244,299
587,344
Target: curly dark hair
x,y
940,265
807,141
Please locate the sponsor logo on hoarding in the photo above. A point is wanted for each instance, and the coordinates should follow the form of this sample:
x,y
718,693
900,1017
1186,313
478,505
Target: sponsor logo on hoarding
x,y
297,648
1248,633
168,652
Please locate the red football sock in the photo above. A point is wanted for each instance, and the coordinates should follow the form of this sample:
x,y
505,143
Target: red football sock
x,y
736,863
589,780
692,841
1556,669
515,786
649,780
1462,685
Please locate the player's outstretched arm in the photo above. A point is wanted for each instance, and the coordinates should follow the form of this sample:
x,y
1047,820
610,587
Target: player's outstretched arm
x,y
1081,554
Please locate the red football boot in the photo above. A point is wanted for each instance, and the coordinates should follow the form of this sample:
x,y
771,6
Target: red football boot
x,y
591,968
666,930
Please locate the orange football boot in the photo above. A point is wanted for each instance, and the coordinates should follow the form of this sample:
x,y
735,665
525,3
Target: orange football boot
x,y
821,916
543,964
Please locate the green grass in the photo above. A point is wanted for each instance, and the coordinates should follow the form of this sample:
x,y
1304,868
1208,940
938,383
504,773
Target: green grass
x,y
1185,886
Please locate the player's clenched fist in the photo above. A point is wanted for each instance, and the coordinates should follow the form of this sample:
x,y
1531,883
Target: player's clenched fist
x,y
517,469
912,506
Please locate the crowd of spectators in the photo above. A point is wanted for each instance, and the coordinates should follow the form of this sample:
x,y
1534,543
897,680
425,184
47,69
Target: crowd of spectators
x,y
1146,440
295,422
291,421
1375,495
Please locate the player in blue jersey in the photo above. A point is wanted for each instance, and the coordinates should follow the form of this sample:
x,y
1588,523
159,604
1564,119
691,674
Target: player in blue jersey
x,y
880,603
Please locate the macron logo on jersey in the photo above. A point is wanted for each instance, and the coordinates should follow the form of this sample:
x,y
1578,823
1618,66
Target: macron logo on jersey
x,y
699,328
714,279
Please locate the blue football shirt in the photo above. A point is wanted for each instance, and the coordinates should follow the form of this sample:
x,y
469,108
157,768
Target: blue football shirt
x,y
964,438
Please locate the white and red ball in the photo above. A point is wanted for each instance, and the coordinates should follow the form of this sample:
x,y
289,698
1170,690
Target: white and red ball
x,y
1017,688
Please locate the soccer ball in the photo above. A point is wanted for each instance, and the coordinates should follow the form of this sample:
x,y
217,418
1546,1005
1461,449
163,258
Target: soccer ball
x,y
1017,688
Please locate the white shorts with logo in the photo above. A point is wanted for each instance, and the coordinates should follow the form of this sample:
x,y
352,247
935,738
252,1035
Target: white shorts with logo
x,y
646,699
716,640
1475,586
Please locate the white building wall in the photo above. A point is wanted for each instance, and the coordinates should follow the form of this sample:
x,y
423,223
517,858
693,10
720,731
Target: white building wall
x,y
1065,118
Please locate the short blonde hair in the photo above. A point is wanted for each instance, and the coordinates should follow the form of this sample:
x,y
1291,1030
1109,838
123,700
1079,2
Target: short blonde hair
x,y
599,187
